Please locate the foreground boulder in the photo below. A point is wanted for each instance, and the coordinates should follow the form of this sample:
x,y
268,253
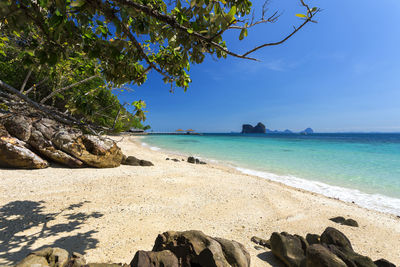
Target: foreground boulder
x,y
319,256
154,259
331,249
54,257
288,248
171,249
194,248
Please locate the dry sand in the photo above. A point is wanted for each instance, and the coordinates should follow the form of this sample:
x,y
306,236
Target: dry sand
x,y
109,214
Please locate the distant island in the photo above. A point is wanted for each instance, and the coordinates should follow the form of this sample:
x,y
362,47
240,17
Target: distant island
x,y
260,128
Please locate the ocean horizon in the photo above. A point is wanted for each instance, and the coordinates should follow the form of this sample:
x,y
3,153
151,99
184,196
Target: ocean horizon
x,y
363,168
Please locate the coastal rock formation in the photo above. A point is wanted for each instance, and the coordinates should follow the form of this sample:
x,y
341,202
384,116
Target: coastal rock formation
x,y
29,139
171,249
259,128
331,249
194,248
26,142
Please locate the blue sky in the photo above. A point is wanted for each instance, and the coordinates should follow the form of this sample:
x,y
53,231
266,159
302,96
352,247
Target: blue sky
x,y
342,74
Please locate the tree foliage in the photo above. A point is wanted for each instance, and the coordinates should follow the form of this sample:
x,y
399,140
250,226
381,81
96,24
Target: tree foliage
x,y
90,102
131,37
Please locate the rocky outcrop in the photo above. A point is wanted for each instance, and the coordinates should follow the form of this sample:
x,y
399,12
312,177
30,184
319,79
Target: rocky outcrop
x,y
171,249
259,128
30,140
194,248
331,249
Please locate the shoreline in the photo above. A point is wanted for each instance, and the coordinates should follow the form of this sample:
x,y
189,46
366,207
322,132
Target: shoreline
x,y
344,194
109,214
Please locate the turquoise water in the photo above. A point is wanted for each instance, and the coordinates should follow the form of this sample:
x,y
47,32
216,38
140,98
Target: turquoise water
x,y
368,165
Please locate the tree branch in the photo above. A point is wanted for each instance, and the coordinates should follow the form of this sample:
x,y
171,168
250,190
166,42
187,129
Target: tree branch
x,y
66,88
35,86
25,81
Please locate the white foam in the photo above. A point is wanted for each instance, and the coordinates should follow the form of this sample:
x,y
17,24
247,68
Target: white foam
x,y
371,201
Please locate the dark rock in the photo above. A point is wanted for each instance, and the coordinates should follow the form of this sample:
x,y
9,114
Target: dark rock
x,y
197,161
261,242
351,258
143,162
194,248
319,256
342,220
332,236
338,219
191,160
259,128
54,257
384,263
350,222
133,161
15,154
163,258
19,126
176,160
167,159
313,239
288,248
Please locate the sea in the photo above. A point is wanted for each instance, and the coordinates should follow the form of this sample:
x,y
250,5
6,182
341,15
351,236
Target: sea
x,y
363,168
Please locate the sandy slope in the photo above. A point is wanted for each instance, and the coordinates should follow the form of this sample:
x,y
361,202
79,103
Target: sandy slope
x,y
108,214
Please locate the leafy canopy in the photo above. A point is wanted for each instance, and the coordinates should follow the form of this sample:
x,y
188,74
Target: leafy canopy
x,y
128,38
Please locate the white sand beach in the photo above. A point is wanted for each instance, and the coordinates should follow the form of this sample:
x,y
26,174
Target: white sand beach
x,y
109,214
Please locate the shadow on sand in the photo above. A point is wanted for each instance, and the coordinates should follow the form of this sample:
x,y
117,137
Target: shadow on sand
x,y
23,223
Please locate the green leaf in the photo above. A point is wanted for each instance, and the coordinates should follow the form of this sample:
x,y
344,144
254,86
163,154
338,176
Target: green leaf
x,y
192,3
190,31
232,12
78,3
243,34
314,9
301,16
